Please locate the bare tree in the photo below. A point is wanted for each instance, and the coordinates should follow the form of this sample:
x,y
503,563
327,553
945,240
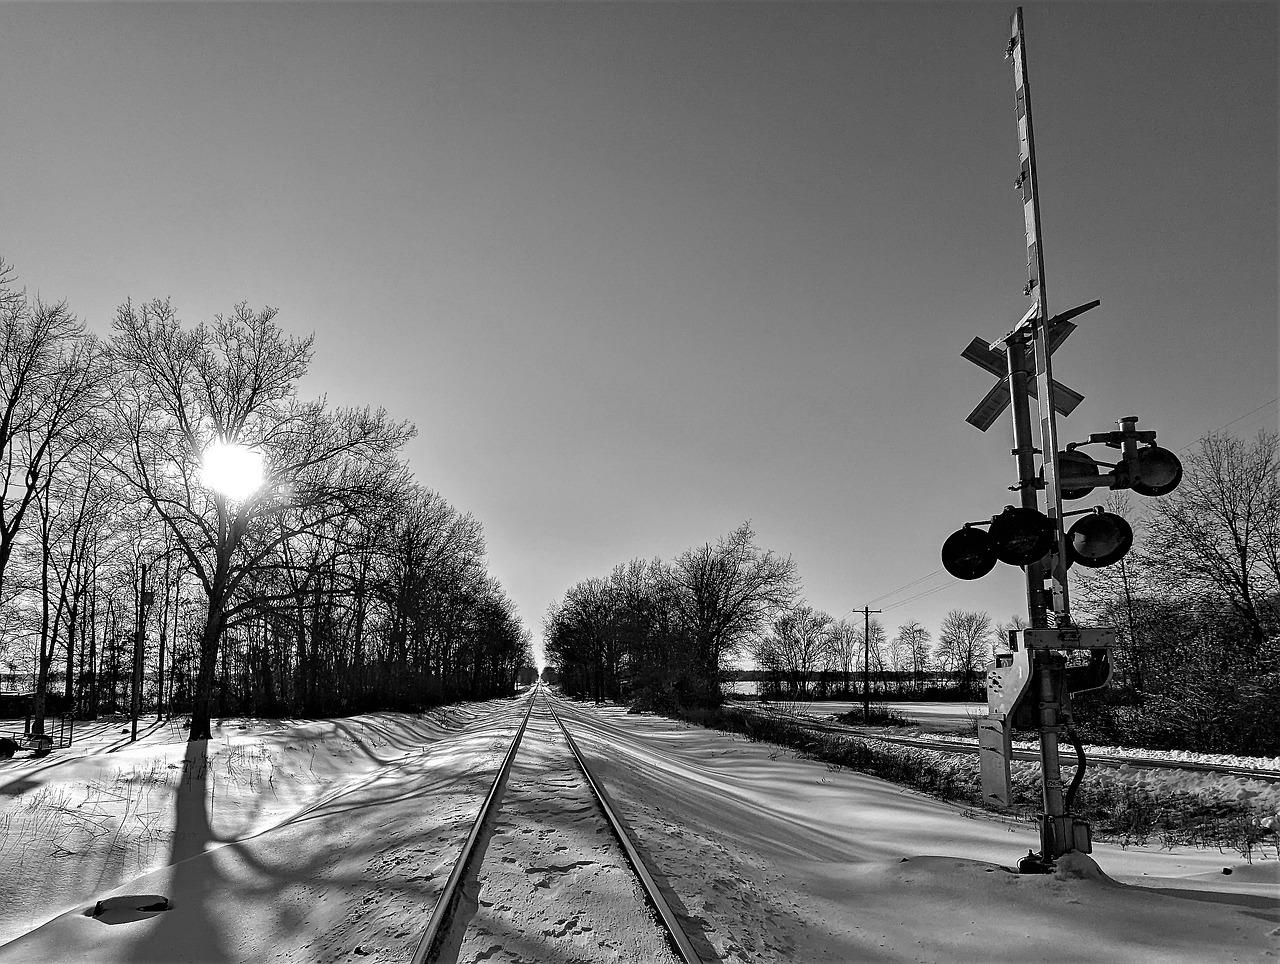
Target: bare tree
x,y
1216,534
964,643
845,644
70,504
881,656
49,375
233,382
726,596
797,647
913,642
1016,624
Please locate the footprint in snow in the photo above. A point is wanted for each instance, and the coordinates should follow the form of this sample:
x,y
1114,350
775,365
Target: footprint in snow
x,y
565,927
560,868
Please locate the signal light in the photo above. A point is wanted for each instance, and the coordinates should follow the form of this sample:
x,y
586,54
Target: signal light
x,y
1021,536
1077,465
1099,539
1154,471
968,553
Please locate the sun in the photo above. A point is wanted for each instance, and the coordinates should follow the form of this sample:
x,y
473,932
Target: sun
x,y
232,470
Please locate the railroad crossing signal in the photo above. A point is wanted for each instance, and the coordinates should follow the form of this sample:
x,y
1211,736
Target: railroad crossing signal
x,y
1033,684
992,359
1026,536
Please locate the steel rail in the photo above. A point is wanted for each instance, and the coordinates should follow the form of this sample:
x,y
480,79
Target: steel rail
x,y
670,922
947,746
448,898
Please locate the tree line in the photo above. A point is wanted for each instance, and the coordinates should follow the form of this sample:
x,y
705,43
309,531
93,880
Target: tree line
x,y
665,633
340,584
659,633
809,653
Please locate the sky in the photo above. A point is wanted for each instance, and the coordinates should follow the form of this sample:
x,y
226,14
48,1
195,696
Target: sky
x,y
642,272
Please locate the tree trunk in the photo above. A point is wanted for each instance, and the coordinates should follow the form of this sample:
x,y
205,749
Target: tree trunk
x,y
201,706
93,654
301,698
46,644
72,616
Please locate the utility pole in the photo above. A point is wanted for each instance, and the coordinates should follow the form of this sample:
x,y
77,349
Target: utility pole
x,y
866,663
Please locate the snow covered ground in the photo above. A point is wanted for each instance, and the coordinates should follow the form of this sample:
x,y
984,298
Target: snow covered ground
x,y
281,842
328,841
956,719
931,717
959,712
782,859
950,725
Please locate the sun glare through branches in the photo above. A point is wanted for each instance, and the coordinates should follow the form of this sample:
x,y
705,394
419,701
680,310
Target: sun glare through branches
x,y
231,470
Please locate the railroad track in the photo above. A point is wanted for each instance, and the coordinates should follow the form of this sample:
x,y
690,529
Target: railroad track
x,y
950,746
463,895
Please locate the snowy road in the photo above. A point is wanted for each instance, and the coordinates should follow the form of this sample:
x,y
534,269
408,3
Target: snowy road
x,y
773,858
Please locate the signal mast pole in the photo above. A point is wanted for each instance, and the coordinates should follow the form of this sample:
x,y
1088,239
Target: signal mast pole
x,y
1021,363
1048,678
1039,321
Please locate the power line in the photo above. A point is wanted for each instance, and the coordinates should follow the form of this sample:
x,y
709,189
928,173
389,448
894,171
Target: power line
x,y
1238,418
908,585
919,595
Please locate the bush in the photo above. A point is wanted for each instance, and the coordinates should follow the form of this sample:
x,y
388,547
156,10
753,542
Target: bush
x,y
880,715
1208,713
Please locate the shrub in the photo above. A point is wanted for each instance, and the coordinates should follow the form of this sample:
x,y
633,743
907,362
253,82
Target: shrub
x,y
879,715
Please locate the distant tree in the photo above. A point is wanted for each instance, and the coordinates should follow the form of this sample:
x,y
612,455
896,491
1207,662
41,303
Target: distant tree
x,y
797,646
726,596
913,642
1016,623
661,632
844,640
874,651
653,650
964,643
882,657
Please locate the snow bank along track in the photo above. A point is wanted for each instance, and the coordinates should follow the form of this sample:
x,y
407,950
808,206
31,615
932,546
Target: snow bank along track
x,y
443,931
1109,760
